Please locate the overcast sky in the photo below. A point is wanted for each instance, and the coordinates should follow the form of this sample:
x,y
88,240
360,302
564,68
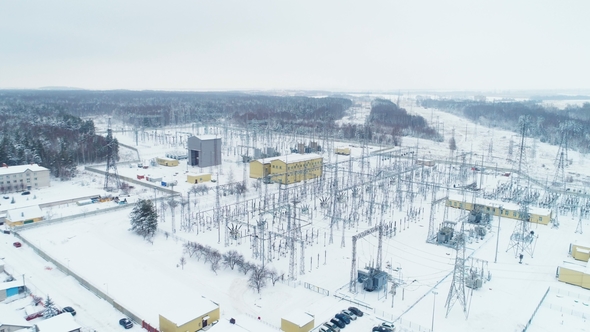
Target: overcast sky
x,y
359,45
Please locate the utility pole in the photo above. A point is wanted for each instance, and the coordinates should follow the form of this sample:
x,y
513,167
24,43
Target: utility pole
x,y
498,233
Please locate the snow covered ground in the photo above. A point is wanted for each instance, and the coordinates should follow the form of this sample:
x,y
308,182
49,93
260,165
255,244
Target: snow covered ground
x,y
146,277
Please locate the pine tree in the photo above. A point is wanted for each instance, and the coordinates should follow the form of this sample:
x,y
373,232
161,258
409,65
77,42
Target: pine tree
x,y
144,218
50,309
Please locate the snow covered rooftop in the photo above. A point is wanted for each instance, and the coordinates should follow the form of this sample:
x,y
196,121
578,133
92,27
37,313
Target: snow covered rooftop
x,y
207,137
60,323
298,318
184,314
21,169
8,316
24,213
11,284
293,158
498,204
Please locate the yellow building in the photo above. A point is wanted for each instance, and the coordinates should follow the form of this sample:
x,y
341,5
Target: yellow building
x,y
581,253
23,216
343,150
297,322
198,178
201,314
167,161
508,210
288,169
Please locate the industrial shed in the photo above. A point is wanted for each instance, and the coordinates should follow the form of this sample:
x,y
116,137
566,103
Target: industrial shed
x,y
297,322
288,169
167,161
198,178
508,210
201,314
260,168
10,321
204,151
59,323
343,151
580,252
574,275
11,288
25,215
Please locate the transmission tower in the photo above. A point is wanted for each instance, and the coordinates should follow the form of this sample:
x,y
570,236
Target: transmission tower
x,y
579,226
523,122
457,291
112,182
522,239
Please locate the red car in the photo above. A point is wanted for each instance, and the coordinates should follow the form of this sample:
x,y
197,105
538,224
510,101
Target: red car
x,y
17,244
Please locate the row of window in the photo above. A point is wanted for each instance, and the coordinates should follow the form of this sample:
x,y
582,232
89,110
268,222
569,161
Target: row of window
x,y
15,181
493,210
14,176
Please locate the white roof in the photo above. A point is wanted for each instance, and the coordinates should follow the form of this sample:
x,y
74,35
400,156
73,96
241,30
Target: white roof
x,y
298,318
24,213
197,174
8,316
60,323
498,204
21,168
11,284
207,137
183,315
293,158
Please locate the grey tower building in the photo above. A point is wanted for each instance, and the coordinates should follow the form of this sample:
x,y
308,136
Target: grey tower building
x,y
204,151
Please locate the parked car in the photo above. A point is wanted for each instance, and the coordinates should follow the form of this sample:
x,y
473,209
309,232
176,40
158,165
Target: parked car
x,y
70,310
126,323
332,326
349,314
25,193
338,322
343,318
356,311
380,328
325,329
389,326
17,244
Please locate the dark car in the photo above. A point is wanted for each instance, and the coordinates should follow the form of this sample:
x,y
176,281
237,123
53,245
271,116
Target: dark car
x,y
356,311
343,318
26,193
126,323
17,244
338,322
70,310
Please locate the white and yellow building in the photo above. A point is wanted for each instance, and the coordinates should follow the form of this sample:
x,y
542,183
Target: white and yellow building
x,y
288,169
23,177
167,161
24,215
495,208
198,178
297,322
198,316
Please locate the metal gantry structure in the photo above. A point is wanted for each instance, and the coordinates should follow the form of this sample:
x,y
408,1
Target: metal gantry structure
x,y
457,290
112,182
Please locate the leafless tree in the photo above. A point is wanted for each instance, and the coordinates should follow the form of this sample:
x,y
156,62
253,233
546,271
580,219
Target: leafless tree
x,y
274,276
182,262
232,258
258,276
245,267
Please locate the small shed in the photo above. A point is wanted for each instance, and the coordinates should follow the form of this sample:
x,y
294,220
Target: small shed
x,y
167,161
200,314
11,288
579,252
343,150
60,323
24,215
11,321
297,322
198,178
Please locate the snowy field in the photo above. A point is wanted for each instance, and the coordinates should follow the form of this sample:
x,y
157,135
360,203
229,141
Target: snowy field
x,y
146,277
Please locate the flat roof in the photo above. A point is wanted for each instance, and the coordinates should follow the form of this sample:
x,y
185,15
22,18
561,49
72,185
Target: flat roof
x,y
498,204
21,169
11,284
183,315
207,137
293,158
24,213
8,316
197,174
298,318
59,323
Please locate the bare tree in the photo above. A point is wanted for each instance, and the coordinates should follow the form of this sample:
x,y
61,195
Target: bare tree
x,y
258,277
245,267
231,258
182,262
274,276
215,258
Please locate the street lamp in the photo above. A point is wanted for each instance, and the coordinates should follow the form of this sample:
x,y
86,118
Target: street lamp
x,y
433,307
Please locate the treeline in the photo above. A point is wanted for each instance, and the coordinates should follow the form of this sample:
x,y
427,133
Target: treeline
x,y
32,132
547,124
387,117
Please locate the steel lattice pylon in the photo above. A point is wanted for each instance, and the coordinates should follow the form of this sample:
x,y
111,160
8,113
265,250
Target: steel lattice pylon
x,y
457,290
112,182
